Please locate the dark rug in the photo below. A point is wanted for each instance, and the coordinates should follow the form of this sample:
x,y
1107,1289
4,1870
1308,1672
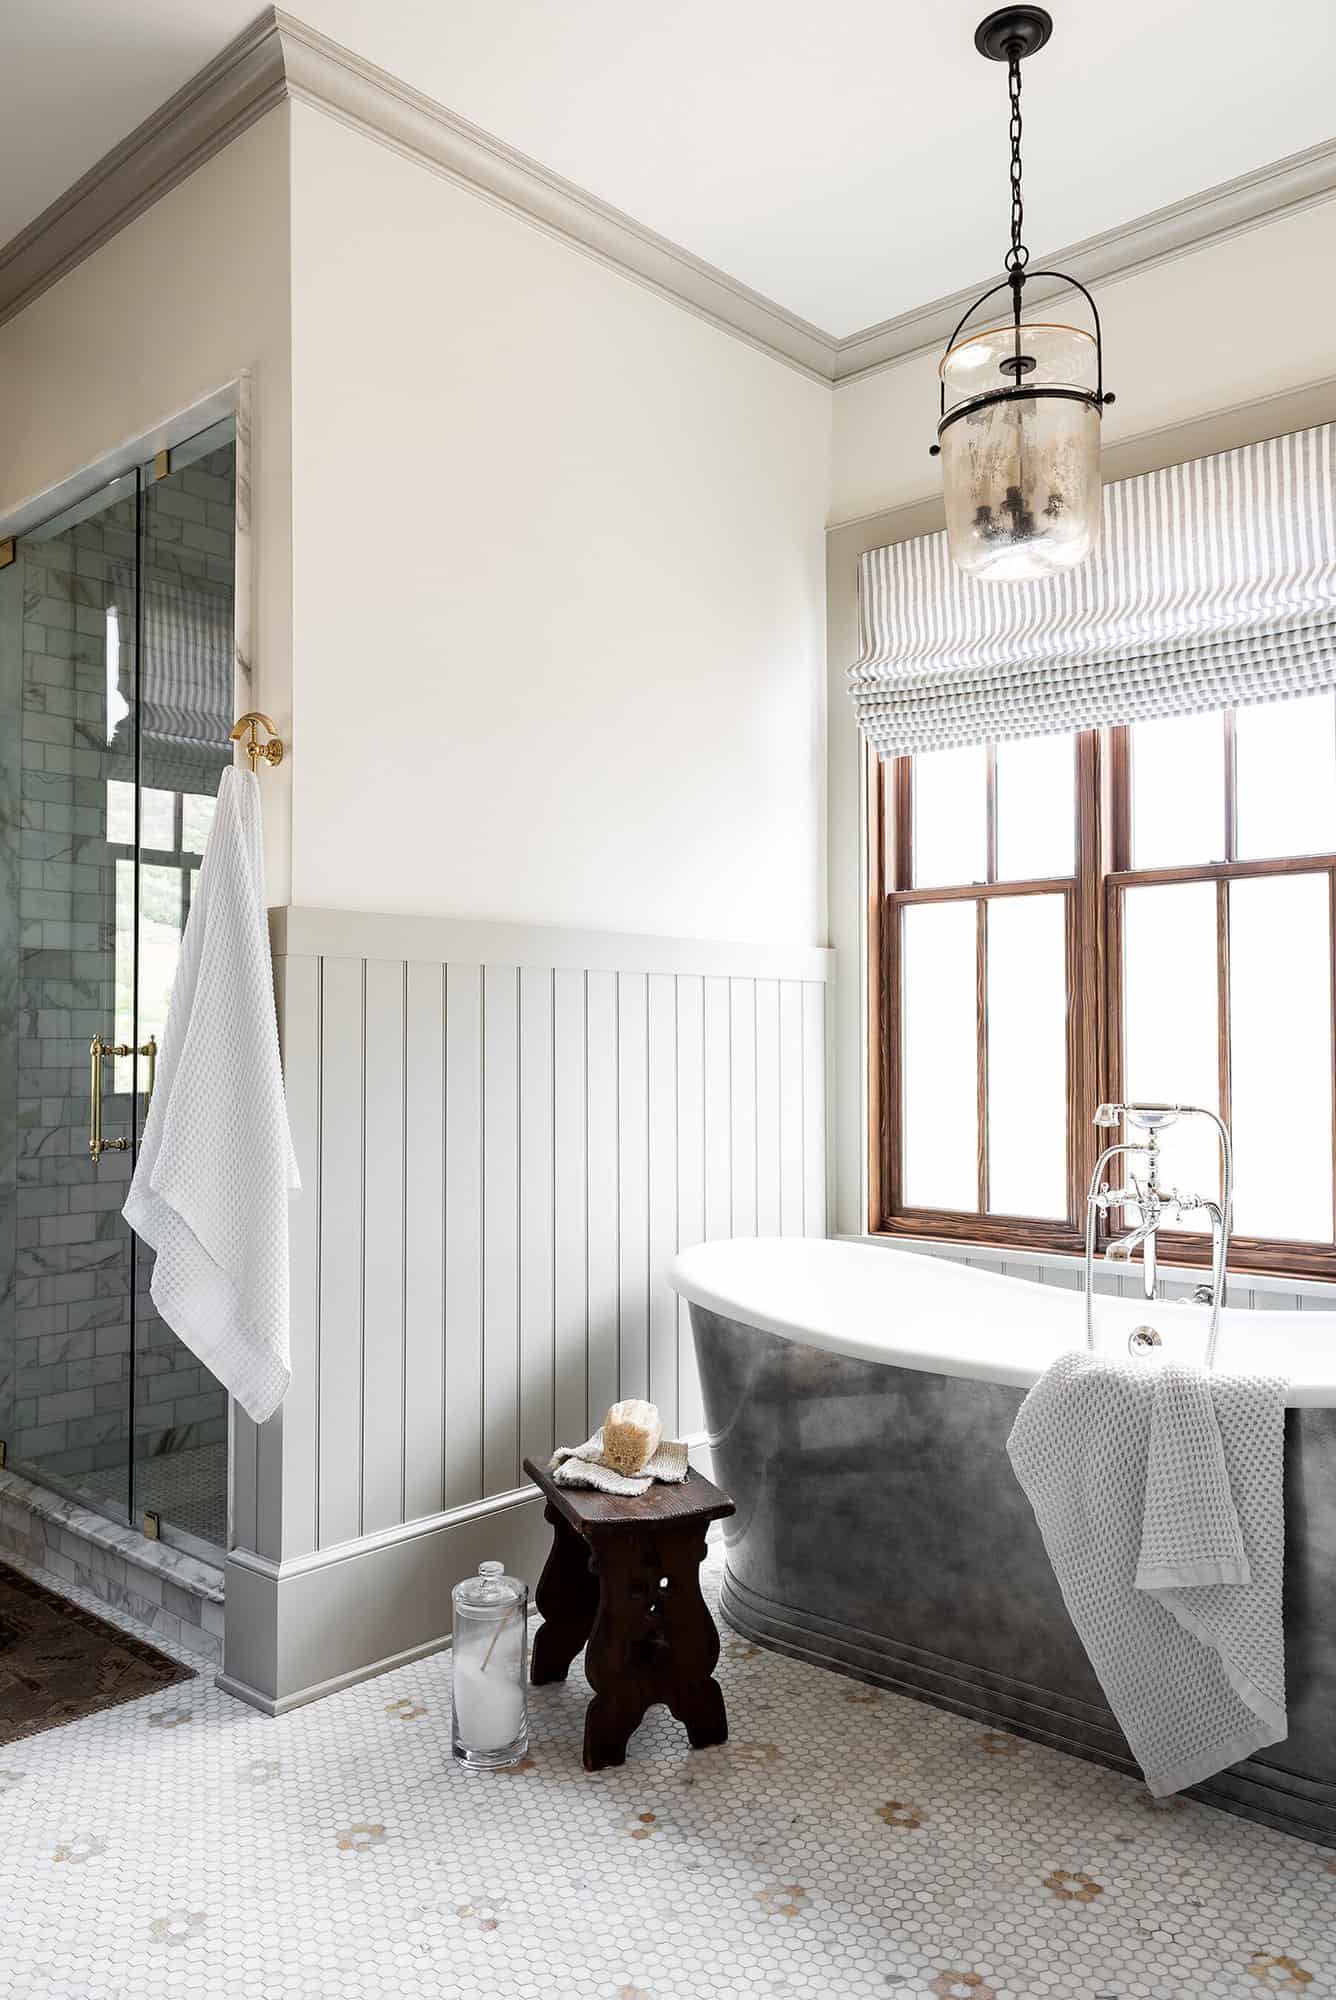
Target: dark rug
x,y
58,1662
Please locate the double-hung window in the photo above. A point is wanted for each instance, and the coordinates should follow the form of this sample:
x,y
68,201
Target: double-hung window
x,y
1136,913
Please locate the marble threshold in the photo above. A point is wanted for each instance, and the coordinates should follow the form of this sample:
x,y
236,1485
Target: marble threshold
x,y
168,1593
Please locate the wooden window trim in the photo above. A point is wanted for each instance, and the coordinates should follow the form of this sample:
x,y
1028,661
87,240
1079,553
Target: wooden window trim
x,y
1103,873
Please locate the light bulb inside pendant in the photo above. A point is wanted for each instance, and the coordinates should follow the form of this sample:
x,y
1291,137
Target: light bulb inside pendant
x,y
1021,401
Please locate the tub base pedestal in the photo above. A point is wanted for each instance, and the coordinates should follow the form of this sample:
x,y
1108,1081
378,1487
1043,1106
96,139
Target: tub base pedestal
x,y
881,1531
1254,1790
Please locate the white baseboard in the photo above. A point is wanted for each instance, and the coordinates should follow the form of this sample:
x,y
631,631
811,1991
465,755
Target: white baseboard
x,y
301,1629
268,1705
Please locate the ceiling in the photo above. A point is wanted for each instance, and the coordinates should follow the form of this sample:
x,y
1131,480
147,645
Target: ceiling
x,y
847,160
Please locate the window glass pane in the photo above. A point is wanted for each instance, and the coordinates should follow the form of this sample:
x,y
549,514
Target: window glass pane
x,y
161,921
1280,1056
118,708
125,968
157,819
1178,791
1036,808
951,818
1170,1027
197,810
1027,1056
120,813
1286,763
939,1056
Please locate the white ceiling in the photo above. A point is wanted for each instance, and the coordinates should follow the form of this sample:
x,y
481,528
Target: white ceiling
x,y
846,159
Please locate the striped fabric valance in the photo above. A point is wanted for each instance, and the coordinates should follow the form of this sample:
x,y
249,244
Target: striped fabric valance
x,y
1214,585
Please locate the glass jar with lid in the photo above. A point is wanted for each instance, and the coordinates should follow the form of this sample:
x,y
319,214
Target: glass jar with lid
x,y
489,1721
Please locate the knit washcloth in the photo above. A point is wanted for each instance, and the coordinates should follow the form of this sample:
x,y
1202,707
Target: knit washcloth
x,y
582,1465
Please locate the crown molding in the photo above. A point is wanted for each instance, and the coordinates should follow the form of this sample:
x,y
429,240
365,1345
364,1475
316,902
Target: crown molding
x,y
323,73
279,58
241,83
1247,202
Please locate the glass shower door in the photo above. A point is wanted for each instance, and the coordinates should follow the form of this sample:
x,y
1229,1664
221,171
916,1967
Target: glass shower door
x,y
116,700
186,712
69,642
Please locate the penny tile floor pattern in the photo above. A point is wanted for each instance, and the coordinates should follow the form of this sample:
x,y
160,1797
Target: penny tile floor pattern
x,y
846,1842
188,1488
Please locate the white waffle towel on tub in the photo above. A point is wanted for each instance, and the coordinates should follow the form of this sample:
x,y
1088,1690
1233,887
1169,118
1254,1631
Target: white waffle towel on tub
x,y
211,1184
1159,1491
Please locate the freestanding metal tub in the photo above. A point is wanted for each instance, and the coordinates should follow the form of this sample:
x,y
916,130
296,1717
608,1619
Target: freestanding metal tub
x,y
858,1402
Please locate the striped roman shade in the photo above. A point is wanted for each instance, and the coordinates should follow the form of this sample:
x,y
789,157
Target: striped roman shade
x,y
186,691
1214,585
186,671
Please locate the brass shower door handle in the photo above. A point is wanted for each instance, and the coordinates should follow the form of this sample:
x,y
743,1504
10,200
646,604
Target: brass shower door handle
x,y
97,1049
150,1049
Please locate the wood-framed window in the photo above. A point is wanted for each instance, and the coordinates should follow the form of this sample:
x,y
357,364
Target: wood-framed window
x,y
1146,912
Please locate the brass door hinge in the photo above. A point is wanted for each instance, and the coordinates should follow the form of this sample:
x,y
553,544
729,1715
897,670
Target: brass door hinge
x,y
162,464
153,1526
6,552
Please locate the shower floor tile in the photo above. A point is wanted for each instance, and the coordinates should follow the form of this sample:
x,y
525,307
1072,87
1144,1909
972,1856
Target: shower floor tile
x,y
187,1488
845,1842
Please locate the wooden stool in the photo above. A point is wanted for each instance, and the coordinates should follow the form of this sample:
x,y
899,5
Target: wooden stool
x,y
624,1575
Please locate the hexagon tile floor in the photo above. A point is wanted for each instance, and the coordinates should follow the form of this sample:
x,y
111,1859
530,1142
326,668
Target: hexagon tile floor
x,y
845,1842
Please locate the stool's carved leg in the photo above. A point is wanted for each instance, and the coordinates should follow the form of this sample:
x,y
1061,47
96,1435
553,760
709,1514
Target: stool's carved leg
x,y
653,1640
610,1723
567,1597
699,1707
690,1690
619,1660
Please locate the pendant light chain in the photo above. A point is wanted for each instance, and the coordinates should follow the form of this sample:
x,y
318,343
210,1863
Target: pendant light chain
x,y
1017,256
1018,417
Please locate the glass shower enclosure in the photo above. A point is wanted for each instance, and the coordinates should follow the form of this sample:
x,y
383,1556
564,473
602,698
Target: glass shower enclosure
x,y
116,701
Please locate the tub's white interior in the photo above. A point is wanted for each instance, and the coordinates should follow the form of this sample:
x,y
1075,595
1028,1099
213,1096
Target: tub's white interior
x,y
889,1305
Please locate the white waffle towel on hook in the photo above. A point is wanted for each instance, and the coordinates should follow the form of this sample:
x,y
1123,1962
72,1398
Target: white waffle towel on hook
x,y
1159,1491
215,1167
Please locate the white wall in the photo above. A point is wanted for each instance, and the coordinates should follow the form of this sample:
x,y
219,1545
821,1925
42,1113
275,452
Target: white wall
x,y
1234,324
168,312
558,577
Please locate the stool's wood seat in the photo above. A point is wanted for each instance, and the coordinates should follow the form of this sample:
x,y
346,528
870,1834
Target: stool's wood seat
x,y
622,1579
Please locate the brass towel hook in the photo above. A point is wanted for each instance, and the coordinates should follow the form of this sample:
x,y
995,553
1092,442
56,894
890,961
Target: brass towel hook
x,y
272,750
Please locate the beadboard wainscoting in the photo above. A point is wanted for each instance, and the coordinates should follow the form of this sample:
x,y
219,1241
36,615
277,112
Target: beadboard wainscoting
x,y
504,1133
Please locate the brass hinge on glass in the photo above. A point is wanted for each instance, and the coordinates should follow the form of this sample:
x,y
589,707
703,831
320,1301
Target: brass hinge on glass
x,y
97,1049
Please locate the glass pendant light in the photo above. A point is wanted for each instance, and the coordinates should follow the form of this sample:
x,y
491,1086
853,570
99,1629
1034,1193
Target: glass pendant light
x,y
1020,401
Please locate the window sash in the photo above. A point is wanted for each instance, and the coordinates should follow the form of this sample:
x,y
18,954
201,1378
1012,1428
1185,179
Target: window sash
x,y
1094,898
